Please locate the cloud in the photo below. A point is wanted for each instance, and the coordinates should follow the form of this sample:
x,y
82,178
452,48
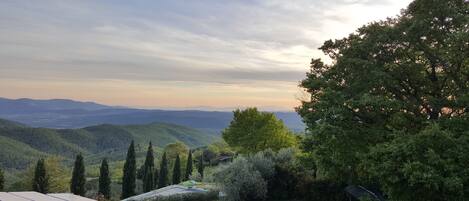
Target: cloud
x,y
213,43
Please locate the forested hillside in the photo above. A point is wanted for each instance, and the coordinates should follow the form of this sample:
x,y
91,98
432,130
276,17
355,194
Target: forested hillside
x,y
19,144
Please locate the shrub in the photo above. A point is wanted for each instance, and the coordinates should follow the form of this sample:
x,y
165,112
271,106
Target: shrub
x,y
240,181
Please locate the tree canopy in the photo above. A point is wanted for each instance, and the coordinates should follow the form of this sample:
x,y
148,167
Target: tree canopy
x,y
252,131
387,83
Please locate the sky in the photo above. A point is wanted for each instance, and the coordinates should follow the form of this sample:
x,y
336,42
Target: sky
x,y
207,54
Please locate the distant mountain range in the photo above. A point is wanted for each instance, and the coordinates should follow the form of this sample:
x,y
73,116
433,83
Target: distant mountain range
x,y
21,145
63,113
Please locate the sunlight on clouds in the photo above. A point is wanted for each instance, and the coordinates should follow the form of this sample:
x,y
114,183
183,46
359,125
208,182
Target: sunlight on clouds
x,y
172,54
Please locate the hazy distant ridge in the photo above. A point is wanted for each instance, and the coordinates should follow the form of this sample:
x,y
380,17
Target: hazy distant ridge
x,y
63,113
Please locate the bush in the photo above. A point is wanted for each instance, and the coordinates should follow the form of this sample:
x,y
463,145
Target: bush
x,y
240,181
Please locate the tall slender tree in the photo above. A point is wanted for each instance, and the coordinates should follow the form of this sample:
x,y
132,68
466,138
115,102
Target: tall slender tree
x,y
148,180
77,185
163,179
130,173
177,171
41,180
156,174
189,168
2,180
200,166
104,180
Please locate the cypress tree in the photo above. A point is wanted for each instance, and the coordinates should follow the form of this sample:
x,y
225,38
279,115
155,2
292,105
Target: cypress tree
x,y
130,173
77,185
148,184
156,177
188,166
200,167
2,180
177,171
104,180
163,179
40,180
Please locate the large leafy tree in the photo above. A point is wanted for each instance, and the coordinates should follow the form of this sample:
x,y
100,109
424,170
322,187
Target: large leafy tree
x,y
77,185
104,180
130,171
388,81
431,165
252,131
41,179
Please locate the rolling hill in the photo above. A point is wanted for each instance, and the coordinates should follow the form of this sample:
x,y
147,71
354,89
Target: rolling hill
x,y
20,145
61,113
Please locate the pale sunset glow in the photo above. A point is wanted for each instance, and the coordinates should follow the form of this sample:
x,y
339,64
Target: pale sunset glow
x,y
172,54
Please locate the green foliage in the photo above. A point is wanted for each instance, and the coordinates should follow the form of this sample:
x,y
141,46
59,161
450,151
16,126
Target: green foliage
x,y
163,177
200,166
417,73
177,171
23,144
41,179
148,166
209,196
104,188
319,190
156,177
2,180
241,182
252,131
77,185
431,164
148,180
129,173
189,167
176,149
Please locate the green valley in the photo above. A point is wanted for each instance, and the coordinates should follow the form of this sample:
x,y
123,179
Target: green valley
x,y
20,145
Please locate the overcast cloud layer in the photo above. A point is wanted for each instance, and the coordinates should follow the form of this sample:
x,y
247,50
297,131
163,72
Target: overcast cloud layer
x,y
172,53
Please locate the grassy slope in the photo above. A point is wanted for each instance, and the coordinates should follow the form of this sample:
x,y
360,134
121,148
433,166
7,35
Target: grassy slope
x,y
19,145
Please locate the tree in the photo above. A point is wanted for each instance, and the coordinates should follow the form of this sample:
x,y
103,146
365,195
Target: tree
x,y
2,180
431,165
174,149
77,185
148,179
388,82
189,168
104,180
148,172
129,177
156,177
163,176
200,166
252,131
177,171
41,179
